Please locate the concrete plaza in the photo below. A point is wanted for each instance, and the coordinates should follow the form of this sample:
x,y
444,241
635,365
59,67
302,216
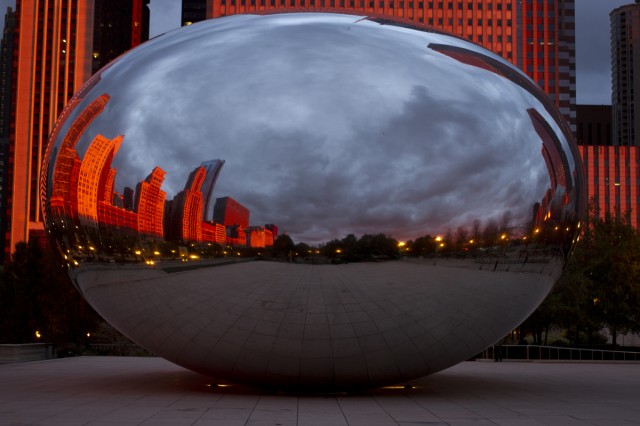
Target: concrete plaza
x,y
152,391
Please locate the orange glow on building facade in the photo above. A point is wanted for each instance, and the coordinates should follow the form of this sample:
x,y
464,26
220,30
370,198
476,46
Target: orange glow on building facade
x,y
52,58
538,36
51,64
613,180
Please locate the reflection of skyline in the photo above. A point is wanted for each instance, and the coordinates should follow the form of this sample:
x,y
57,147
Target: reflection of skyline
x,y
83,194
295,172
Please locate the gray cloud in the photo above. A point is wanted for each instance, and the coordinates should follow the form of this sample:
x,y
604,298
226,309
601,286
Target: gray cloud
x,y
593,55
366,131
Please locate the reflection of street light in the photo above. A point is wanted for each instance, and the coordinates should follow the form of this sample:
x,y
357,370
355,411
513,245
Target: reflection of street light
x,y
402,246
438,240
38,335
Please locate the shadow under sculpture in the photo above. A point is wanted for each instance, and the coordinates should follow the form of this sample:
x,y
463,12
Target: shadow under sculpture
x,y
173,174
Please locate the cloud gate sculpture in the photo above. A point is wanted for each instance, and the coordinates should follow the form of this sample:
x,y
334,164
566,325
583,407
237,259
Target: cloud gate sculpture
x,y
312,201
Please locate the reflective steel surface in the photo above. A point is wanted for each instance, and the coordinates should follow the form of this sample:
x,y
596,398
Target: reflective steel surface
x,y
312,201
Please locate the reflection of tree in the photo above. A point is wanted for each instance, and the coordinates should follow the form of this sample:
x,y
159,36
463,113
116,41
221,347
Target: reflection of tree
x,y
366,248
462,238
490,233
283,245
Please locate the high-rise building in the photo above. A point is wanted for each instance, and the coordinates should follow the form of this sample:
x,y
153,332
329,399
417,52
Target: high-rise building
x,y
53,52
6,72
193,11
594,125
625,54
536,35
612,180
119,25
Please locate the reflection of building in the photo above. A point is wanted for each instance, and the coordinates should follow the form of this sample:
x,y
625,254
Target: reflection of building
x,y
67,158
149,205
486,62
94,173
236,235
552,151
186,209
273,228
625,55
229,212
212,168
214,233
83,193
612,180
127,198
538,36
259,237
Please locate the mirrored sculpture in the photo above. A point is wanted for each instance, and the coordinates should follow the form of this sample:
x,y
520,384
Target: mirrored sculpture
x,y
312,201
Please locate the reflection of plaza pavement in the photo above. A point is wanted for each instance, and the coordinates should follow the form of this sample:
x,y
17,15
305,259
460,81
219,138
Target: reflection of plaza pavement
x,y
151,391
335,325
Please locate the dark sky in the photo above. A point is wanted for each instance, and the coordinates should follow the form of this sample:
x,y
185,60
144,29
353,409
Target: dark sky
x,y
592,42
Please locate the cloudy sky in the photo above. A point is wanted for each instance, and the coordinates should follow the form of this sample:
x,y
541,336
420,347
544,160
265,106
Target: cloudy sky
x,y
351,136
592,42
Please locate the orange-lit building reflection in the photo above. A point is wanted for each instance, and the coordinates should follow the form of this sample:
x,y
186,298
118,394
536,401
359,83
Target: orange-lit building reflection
x,y
94,171
67,163
149,205
562,191
186,209
84,195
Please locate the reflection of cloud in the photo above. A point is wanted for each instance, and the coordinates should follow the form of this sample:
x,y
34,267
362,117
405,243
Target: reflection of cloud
x,y
326,129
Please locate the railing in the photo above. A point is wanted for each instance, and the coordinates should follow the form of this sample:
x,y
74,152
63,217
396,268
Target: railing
x,y
555,353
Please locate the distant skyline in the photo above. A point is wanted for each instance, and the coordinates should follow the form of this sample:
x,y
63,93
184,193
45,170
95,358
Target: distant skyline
x,y
593,57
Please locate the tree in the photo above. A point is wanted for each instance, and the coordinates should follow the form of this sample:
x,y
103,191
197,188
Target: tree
x,y
614,271
37,295
600,286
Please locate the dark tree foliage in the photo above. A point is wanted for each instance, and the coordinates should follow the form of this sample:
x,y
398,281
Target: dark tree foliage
x,y
599,288
613,269
283,246
37,295
366,248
